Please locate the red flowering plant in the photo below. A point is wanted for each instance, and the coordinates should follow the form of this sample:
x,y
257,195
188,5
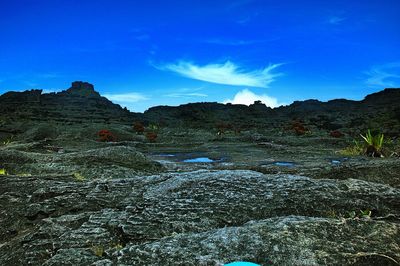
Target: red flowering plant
x,y
151,136
138,128
105,136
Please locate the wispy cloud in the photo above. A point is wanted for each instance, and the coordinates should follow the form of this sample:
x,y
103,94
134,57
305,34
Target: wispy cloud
x,y
336,20
227,73
231,42
51,90
142,37
237,42
386,75
185,95
239,3
30,84
246,19
248,97
49,75
131,97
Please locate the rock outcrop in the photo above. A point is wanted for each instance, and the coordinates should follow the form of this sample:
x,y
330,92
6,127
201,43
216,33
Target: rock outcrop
x,y
78,104
378,110
197,218
108,162
82,103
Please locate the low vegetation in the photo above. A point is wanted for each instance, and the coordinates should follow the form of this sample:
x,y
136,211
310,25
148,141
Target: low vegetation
x,y
106,136
299,129
7,141
336,134
151,136
98,251
138,127
360,214
79,177
353,150
373,144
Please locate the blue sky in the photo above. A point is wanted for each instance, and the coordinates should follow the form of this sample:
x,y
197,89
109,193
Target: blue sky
x,y
145,53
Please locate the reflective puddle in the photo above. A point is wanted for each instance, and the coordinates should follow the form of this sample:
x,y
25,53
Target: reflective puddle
x,y
337,161
199,160
165,155
285,164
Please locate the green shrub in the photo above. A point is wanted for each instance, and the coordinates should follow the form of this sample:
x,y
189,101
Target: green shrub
x,y
373,144
354,150
79,177
7,141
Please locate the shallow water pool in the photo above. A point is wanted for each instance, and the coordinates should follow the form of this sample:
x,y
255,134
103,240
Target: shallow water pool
x,y
165,155
199,160
285,164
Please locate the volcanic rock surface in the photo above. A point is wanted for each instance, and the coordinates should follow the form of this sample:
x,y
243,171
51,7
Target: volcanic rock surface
x,y
197,218
268,195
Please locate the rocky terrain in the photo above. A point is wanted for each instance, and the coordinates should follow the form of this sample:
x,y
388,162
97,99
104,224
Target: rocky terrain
x,y
219,183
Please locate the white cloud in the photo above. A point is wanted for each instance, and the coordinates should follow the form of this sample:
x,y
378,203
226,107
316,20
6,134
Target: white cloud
x,y
248,97
30,84
387,75
142,37
243,21
50,90
227,73
238,3
231,42
131,97
49,75
336,20
186,95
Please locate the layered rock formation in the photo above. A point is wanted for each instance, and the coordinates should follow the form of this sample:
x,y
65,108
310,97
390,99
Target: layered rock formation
x,y
378,110
197,218
78,104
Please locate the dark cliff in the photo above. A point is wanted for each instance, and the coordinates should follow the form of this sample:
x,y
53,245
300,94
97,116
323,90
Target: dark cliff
x,y
82,104
78,104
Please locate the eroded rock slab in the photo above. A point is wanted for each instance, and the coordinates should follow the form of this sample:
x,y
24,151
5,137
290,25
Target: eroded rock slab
x,y
291,240
107,162
197,218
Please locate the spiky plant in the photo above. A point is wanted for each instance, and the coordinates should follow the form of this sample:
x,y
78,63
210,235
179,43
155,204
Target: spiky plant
x,y
374,144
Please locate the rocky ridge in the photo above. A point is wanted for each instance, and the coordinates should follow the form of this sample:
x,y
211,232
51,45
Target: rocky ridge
x,y
78,104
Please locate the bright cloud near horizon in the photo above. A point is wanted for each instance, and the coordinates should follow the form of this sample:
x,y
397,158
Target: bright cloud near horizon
x,y
232,49
131,97
248,97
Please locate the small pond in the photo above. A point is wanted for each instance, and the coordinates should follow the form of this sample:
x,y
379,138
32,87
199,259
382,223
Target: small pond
x,y
199,160
192,157
241,263
337,161
165,155
284,164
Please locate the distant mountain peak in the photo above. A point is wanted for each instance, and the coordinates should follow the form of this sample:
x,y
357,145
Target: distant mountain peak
x,y
84,89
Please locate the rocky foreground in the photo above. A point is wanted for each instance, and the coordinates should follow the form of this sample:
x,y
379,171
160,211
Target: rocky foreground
x,y
201,217
273,191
